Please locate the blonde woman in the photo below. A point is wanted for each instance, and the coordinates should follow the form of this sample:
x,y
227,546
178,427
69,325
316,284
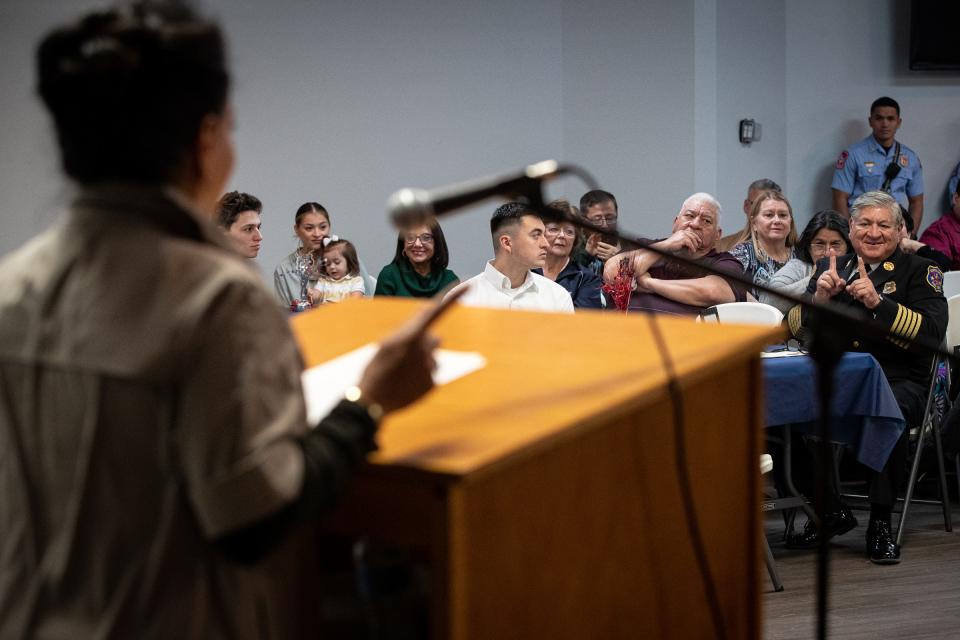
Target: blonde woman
x,y
768,241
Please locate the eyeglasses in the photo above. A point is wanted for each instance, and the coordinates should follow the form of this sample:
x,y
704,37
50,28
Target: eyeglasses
x,y
424,238
569,232
836,245
602,220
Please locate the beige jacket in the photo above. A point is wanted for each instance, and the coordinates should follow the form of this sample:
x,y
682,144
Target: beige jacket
x,y
149,399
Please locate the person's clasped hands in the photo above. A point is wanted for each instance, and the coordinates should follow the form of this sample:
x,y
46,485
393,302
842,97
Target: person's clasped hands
x,y
597,247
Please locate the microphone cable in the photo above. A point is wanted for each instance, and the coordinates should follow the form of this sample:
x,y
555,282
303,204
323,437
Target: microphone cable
x,y
681,466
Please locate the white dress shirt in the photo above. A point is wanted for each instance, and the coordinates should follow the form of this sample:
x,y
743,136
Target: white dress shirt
x,y
492,289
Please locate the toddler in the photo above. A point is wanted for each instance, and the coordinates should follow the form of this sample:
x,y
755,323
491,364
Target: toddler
x,y
340,276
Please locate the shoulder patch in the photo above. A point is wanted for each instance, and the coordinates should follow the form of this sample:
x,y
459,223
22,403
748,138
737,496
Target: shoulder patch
x,y
904,161
935,278
842,160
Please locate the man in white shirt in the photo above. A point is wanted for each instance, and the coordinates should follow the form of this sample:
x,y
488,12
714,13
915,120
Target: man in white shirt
x,y
507,283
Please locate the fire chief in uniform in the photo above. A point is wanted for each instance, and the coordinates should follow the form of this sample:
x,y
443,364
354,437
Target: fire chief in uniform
x,y
903,293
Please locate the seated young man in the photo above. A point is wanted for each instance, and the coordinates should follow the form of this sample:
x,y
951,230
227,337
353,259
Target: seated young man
x,y
519,245
238,214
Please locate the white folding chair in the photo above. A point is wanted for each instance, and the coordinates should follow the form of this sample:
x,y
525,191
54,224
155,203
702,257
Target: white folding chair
x,y
766,466
953,318
953,342
369,284
742,313
930,422
951,284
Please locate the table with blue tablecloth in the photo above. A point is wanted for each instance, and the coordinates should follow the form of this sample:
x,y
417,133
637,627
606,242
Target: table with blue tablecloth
x,y
864,413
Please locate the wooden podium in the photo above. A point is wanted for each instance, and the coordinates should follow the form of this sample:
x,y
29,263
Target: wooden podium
x,y
544,489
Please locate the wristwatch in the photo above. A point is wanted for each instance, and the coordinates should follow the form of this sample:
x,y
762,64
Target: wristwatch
x,y
355,394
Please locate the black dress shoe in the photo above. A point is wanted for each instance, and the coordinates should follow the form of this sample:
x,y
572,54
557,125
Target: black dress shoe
x,y
881,549
837,524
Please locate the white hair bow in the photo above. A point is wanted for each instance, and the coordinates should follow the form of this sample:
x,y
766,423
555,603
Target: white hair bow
x,y
327,240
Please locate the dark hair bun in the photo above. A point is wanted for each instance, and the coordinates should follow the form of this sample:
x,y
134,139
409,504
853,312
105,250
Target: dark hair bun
x,y
129,87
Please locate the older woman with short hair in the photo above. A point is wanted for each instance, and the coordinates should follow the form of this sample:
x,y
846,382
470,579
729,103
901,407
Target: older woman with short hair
x,y
563,237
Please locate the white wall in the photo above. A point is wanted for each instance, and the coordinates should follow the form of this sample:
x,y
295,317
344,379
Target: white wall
x,y
30,181
344,102
628,103
750,84
840,57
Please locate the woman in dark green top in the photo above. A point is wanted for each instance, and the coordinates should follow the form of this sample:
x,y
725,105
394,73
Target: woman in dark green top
x,y
419,268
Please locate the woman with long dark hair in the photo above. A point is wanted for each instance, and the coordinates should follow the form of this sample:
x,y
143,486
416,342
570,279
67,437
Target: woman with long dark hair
x,y
419,267
298,272
826,230
295,277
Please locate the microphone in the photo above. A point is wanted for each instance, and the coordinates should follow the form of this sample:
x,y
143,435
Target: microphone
x,y
408,207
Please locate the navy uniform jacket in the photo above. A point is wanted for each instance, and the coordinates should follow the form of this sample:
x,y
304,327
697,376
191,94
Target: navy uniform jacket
x,y
913,308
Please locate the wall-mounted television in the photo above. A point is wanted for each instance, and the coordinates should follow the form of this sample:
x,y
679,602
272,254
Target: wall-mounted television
x,y
934,25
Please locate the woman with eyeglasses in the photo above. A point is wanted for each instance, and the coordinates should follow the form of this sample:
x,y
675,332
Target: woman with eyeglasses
x,y
563,238
826,230
419,267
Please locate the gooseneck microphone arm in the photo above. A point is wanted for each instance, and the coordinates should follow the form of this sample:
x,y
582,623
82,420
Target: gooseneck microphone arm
x,y
408,207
